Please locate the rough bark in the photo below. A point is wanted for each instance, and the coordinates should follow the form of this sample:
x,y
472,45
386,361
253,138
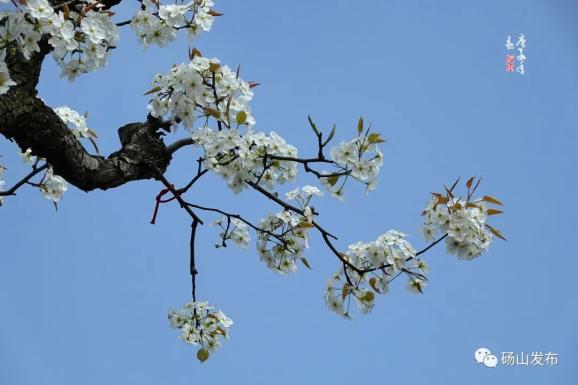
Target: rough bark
x,y
27,120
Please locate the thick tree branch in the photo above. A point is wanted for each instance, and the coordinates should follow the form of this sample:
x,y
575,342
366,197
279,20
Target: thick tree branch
x,y
174,147
27,120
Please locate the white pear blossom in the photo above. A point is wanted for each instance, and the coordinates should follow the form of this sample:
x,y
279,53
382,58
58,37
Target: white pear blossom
x,y
202,87
200,325
40,9
376,264
75,121
238,157
360,158
174,14
93,28
27,157
88,34
233,229
52,24
5,81
464,222
303,193
416,285
72,69
283,241
63,41
160,25
53,186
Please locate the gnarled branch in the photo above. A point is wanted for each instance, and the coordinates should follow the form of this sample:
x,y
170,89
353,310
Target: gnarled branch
x,y
28,121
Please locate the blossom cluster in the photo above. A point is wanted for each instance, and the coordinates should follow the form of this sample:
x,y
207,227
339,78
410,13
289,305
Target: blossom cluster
x,y
53,186
156,23
464,222
75,121
233,229
202,326
28,158
284,236
376,264
283,241
360,157
238,157
303,196
205,88
81,35
5,81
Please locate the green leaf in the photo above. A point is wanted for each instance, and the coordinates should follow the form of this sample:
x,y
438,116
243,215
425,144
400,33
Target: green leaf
x,y
194,52
373,284
490,199
496,232
331,134
345,291
203,354
333,180
454,185
241,117
215,13
368,296
312,124
214,113
360,125
442,200
375,138
152,91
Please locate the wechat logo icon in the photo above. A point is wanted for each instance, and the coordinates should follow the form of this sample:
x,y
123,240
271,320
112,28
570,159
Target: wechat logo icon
x,y
484,356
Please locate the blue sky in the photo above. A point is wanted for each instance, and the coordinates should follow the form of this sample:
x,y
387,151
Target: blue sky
x,y
85,290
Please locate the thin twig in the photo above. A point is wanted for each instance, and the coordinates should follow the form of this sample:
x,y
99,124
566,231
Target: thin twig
x,y
239,217
23,181
176,194
287,206
192,267
431,245
200,173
